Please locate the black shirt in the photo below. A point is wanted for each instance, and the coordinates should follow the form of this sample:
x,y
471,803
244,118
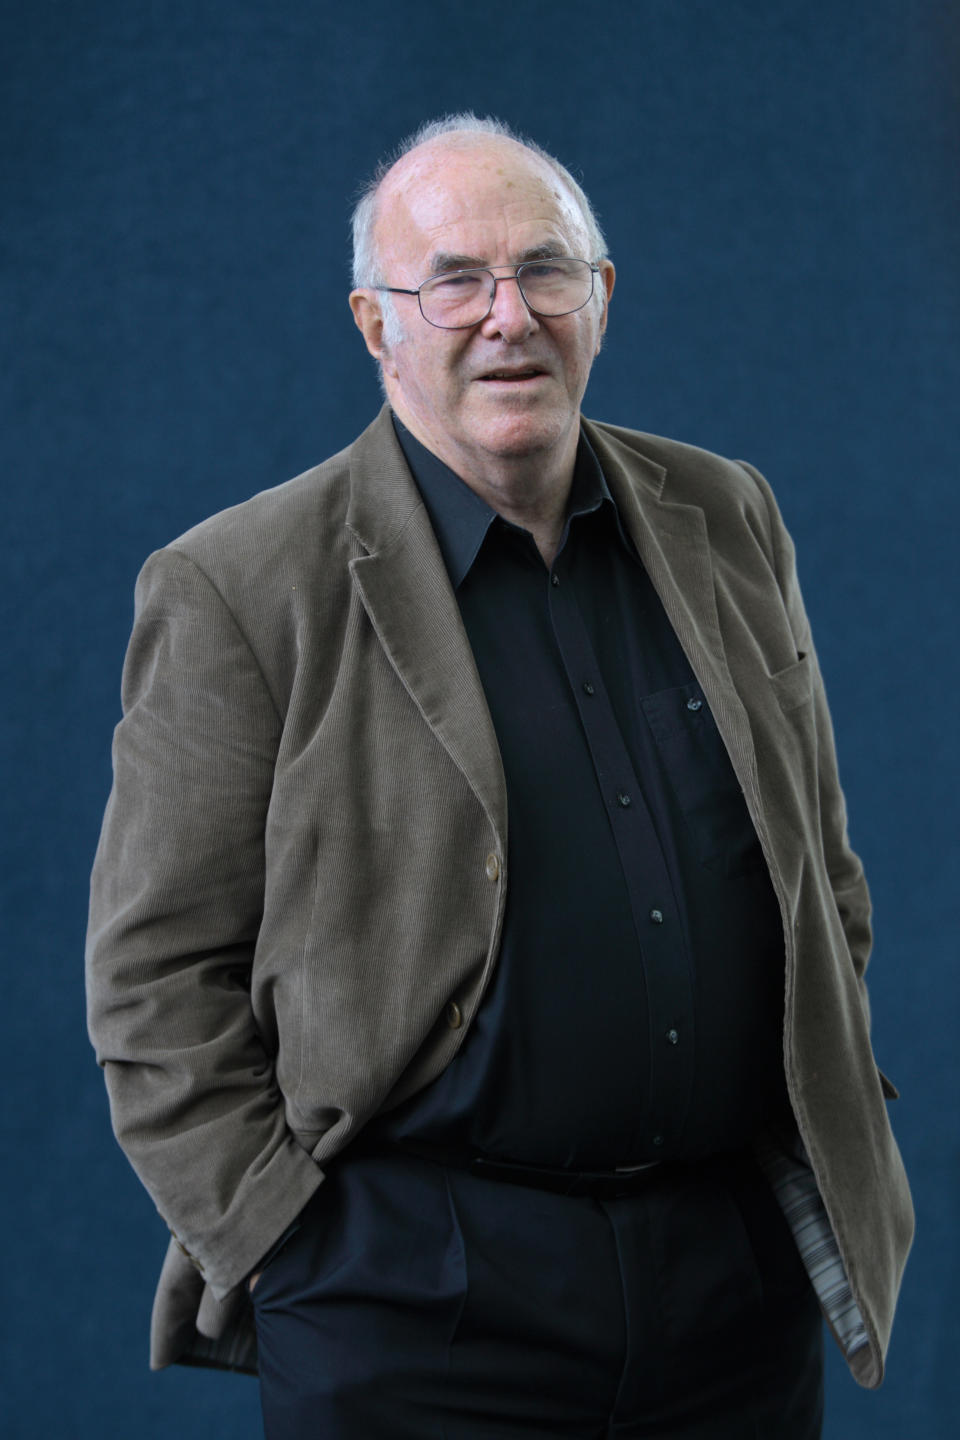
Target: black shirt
x,y
636,1008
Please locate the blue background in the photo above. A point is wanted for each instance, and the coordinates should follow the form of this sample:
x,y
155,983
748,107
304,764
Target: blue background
x,y
779,185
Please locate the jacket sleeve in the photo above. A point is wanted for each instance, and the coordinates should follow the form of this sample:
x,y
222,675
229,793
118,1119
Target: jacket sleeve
x,y
176,901
843,865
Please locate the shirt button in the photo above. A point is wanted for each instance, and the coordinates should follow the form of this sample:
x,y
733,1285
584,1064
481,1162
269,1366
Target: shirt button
x,y
673,1036
588,688
453,1015
493,867
693,704
623,800
656,916
658,1140
554,579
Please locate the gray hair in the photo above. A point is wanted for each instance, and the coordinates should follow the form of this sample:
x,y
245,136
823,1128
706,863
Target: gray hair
x,y
366,264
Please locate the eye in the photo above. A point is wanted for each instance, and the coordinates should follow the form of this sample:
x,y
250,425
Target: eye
x,y
544,270
457,282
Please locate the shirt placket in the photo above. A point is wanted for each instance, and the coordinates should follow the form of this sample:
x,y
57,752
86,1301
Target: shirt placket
x,y
652,893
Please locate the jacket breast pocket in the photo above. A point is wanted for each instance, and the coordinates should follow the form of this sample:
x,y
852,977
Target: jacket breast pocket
x,y
701,776
793,686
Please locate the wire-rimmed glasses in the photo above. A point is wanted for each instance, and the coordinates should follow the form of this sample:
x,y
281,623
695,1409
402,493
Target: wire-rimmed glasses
x,y
459,299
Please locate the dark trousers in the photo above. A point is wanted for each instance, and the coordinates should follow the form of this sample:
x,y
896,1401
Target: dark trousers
x,y
417,1301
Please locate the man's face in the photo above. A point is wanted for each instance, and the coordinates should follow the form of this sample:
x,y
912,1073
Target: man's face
x,y
509,387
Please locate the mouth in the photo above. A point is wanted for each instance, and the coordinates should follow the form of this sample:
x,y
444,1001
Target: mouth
x,y
512,375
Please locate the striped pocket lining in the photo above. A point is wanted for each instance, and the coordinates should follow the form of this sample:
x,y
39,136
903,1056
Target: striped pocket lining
x,y
796,1190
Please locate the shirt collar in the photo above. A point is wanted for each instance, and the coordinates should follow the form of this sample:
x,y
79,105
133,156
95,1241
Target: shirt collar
x,y
459,517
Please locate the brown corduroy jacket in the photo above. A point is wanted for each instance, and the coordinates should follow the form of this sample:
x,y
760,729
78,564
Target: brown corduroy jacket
x,y
305,856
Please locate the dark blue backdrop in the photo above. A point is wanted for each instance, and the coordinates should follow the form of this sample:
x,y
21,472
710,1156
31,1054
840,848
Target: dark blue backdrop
x,y
778,179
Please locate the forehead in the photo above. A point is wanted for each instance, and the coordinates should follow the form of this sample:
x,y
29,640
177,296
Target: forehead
x,y
488,200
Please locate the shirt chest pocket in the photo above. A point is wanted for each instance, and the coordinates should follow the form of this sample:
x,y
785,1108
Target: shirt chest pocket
x,y
699,772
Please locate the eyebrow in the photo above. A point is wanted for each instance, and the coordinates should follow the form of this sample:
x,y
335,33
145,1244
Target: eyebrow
x,y
444,260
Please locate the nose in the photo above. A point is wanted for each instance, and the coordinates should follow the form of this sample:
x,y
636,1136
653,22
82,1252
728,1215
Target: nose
x,y
510,316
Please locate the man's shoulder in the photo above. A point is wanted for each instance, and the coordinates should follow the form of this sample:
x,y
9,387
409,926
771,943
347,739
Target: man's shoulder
x,y
683,471
652,474
301,513
317,519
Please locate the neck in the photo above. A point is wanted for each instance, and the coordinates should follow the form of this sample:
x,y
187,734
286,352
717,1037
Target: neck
x,y
530,490
530,495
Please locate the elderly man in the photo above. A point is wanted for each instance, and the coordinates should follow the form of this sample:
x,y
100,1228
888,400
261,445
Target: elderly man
x,y
476,952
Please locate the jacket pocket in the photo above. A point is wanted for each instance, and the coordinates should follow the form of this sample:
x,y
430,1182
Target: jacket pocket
x,y
793,686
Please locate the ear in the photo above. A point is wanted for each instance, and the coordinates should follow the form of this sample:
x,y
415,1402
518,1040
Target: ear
x,y
368,320
607,279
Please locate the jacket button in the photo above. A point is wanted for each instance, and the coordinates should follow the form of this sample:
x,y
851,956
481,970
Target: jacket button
x,y
493,867
454,1015
694,705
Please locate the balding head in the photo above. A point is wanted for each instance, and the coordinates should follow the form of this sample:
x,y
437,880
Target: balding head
x,y
463,131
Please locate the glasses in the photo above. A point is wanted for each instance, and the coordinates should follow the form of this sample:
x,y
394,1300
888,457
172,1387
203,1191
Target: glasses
x,y
458,299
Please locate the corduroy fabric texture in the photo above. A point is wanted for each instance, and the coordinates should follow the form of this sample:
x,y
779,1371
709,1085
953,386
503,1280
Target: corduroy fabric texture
x,y
305,854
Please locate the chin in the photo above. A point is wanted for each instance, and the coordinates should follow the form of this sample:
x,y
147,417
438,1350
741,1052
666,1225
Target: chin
x,y
518,435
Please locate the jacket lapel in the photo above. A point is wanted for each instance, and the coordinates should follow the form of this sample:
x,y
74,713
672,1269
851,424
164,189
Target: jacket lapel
x,y
673,544
403,583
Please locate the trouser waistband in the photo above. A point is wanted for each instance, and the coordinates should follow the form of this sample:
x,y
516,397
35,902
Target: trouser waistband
x,y
600,1184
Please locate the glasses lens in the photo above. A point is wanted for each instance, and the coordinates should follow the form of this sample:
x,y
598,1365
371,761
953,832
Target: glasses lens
x,y
556,287
457,300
